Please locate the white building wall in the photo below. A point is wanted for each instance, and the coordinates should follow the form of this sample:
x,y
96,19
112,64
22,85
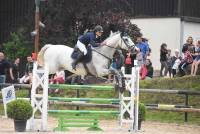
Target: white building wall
x,y
191,29
158,31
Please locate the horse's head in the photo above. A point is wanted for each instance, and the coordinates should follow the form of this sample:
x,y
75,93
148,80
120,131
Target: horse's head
x,y
126,43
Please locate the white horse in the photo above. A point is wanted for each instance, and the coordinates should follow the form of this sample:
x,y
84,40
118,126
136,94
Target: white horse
x,y
58,57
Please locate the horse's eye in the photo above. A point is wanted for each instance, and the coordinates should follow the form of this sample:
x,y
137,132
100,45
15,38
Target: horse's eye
x,y
126,39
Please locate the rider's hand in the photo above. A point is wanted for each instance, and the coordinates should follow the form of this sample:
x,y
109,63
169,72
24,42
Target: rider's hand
x,y
103,43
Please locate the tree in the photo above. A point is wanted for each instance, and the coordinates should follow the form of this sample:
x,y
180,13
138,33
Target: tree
x,y
17,46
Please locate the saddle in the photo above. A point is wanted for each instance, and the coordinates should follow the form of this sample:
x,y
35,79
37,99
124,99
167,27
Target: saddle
x,y
87,58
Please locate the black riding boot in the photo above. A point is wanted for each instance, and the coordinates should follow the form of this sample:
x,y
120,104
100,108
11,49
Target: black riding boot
x,y
79,57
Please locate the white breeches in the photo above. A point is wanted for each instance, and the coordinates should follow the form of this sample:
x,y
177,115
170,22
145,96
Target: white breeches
x,y
81,47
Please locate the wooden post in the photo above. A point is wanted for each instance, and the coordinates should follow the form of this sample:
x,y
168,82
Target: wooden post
x,y
37,20
186,104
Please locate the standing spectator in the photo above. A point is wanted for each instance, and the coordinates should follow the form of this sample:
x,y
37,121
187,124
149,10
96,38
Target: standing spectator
x,y
145,40
169,62
143,48
139,58
176,60
15,70
163,59
188,59
129,62
4,64
27,78
196,61
117,63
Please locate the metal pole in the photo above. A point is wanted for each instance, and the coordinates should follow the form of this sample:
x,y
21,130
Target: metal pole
x,y
37,20
78,96
186,104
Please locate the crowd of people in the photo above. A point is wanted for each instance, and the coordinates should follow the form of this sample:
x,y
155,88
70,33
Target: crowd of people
x,y
180,64
140,57
9,71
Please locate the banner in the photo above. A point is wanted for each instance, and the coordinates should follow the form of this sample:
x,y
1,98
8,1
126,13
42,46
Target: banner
x,y
8,94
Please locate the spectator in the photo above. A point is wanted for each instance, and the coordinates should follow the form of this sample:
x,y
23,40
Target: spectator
x,y
143,47
188,59
4,64
15,70
145,40
129,62
176,60
190,46
27,78
149,69
139,58
169,62
146,70
163,59
143,72
117,63
58,78
196,61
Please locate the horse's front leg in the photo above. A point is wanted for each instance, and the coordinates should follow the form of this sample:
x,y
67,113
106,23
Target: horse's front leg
x,y
119,79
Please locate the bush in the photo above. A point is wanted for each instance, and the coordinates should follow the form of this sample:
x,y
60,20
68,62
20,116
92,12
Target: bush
x,y
142,111
19,109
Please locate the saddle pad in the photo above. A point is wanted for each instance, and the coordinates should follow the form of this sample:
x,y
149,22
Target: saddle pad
x,y
87,58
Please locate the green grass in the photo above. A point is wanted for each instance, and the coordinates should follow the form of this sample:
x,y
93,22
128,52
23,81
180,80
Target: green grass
x,y
172,117
186,82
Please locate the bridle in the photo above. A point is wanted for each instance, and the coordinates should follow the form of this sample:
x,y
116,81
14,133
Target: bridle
x,y
122,40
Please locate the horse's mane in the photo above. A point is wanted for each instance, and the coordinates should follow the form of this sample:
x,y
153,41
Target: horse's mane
x,y
111,35
108,38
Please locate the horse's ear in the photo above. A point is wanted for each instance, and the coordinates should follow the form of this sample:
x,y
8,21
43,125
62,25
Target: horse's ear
x,y
111,33
123,34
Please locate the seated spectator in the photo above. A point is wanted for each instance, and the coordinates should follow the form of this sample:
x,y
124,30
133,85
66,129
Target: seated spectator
x,y
143,72
15,70
196,61
4,65
176,60
58,78
188,59
190,46
149,69
146,70
27,78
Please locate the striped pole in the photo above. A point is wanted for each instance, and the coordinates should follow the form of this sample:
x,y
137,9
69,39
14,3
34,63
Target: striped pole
x,y
83,112
85,99
84,87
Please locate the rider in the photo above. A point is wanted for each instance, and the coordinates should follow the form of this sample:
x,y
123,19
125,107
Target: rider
x,y
92,38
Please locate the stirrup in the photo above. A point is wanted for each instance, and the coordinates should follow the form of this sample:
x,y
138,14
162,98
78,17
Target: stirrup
x,y
74,66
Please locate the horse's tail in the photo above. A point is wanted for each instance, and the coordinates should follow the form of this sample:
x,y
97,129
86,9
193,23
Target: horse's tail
x,y
40,58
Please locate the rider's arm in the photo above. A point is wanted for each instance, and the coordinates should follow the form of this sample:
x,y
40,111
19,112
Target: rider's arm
x,y
94,44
